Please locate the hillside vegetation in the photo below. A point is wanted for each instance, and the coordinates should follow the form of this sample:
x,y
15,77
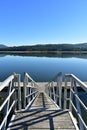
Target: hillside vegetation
x,y
48,47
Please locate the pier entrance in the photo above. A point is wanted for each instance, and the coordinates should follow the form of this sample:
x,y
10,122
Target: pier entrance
x,y
55,105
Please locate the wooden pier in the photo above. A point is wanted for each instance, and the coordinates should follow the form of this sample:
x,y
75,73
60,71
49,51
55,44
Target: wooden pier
x,y
43,106
44,114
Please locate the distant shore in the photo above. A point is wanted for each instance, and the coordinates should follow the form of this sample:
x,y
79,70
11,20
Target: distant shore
x,y
43,52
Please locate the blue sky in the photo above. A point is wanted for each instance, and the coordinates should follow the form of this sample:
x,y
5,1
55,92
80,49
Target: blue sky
x,y
26,22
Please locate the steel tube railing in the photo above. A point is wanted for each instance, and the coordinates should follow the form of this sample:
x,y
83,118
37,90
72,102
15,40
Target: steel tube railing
x,y
54,89
30,90
1,107
74,93
8,105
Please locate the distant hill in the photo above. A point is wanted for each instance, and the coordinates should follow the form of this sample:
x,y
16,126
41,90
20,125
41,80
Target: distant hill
x,y
47,48
81,45
3,46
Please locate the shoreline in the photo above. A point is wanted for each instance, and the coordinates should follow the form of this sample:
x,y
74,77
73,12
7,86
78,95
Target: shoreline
x,y
43,52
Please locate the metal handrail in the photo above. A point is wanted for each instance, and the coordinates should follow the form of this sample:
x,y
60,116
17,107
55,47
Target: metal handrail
x,y
30,90
3,104
54,78
29,78
6,82
53,89
83,85
56,95
74,93
6,105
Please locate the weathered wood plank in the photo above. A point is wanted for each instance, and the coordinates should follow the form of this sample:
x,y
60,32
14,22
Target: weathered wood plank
x,y
43,115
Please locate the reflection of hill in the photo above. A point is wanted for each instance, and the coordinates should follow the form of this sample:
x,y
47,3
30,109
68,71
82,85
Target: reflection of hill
x,y
63,55
2,55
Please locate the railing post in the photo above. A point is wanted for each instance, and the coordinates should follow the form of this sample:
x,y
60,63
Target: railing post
x,y
53,92
78,107
14,96
50,90
65,94
60,91
48,87
47,90
19,93
71,95
7,106
31,90
31,95
57,91
24,103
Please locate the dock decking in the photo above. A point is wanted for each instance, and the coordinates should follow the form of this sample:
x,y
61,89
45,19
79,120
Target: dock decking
x,y
44,114
56,105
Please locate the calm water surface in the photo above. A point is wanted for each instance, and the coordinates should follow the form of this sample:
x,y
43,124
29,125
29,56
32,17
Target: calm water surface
x,y
42,68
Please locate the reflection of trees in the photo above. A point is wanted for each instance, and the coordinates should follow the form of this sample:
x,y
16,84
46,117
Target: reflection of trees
x,y
2,55
50,54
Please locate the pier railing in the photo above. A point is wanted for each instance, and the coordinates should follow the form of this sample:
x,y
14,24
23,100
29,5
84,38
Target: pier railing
x,y
67,97
54,89
76,105
12,99
30,91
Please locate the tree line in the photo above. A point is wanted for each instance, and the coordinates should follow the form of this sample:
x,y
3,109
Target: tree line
x,y
48,47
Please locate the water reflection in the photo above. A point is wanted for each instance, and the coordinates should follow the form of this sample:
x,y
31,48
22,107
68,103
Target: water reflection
x,y
43,67
63,55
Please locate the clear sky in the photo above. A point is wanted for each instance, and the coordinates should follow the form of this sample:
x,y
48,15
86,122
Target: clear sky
x,y
26,22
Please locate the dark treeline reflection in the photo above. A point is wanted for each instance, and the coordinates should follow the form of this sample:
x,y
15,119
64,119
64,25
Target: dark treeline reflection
x,y
63,55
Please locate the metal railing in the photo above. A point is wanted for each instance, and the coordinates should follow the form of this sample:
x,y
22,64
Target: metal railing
x,y
67,96
11,99
76,105
54,89
30,91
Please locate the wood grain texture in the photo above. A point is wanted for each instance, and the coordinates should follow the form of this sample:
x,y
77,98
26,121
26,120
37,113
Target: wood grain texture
x,y
43,115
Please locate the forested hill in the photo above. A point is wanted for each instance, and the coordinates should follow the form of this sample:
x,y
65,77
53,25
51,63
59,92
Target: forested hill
x,y
3,46
48,47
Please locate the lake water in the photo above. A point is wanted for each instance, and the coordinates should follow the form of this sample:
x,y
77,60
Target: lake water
x,y
43,68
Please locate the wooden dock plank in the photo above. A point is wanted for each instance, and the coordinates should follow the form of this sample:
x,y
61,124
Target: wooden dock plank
x,y
43,115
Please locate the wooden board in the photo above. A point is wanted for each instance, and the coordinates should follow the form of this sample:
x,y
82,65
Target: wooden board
x,y
43,115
